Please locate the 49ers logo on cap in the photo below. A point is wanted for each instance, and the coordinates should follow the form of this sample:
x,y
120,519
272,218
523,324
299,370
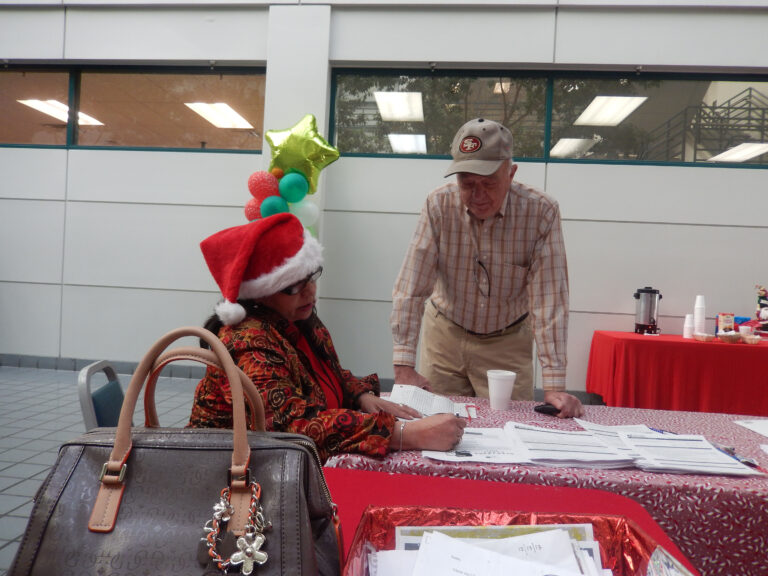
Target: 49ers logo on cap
x,y
470,144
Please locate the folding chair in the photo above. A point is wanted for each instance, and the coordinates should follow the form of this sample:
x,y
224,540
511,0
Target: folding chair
x,y
101,406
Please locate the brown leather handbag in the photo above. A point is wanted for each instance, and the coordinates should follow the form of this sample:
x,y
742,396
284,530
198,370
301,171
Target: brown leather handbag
x,y
157,501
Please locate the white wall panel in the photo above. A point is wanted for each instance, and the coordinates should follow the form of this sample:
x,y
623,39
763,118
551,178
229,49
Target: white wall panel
x,y
686,195
31,233
297,72
361,334
33,173
363,253
447,35
121,324
191,34
382,184
31,33
30,318
161,177
671,37
141,246
608,261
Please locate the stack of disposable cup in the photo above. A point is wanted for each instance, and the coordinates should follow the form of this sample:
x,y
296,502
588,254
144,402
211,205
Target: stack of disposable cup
x,y
688,326
699,316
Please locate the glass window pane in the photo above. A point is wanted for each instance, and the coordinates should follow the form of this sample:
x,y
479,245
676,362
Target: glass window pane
x,y
150,110
419,114
25,124
659,120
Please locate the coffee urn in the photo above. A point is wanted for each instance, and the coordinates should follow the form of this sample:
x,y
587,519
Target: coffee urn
x,y
646,310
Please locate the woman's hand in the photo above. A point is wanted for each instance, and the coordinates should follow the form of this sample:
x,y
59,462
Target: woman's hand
x,y
371,404
439,432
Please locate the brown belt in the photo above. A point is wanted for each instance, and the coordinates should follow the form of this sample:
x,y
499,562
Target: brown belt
x,y
500,331
494,333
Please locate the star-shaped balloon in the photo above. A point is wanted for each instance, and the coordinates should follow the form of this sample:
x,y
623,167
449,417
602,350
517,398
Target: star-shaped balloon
x,y
301,148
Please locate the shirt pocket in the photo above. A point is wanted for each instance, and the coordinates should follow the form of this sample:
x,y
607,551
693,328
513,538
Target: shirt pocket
x,y
512,282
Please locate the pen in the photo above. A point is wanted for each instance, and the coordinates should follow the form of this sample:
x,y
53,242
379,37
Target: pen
x,y
472,433
660,431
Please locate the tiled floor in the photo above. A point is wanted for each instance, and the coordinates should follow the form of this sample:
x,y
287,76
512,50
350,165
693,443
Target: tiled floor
x,y
39,410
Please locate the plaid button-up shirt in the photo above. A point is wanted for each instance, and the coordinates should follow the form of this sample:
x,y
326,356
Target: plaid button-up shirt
x,y
485,274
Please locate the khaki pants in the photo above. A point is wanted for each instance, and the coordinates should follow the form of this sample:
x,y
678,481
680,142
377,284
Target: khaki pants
x,y
455,362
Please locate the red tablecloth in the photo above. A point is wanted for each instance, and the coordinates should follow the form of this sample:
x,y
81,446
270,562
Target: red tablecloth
x,y
672,373
354,490
720,523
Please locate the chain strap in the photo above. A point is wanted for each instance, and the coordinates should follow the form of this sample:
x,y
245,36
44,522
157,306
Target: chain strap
x,y
249,544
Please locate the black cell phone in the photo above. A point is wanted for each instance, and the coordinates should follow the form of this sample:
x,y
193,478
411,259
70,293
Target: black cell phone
x,y
547,409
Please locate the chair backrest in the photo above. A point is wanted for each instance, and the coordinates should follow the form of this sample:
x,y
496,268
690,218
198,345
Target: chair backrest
x,y
100,406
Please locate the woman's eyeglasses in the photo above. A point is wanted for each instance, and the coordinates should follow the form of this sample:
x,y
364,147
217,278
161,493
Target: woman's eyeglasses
x,y
294,289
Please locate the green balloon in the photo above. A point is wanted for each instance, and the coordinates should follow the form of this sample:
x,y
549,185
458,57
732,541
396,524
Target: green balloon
x,y
293,187
272,205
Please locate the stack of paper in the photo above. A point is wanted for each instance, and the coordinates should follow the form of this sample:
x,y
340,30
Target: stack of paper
x,y
537,550
594,447
428,403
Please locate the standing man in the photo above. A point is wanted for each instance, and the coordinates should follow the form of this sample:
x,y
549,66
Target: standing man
x,y
488,260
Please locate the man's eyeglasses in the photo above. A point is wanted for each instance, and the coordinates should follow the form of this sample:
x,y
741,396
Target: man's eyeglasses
x,y
294,289
482,278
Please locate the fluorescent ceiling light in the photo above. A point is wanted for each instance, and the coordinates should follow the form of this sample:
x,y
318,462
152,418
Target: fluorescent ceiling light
x,y
408,143
742,152
220,114
400,106
502,87
60,111
572,147
609,110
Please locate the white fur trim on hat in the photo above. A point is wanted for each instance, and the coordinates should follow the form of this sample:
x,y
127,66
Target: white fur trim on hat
x,y
308,259
230,313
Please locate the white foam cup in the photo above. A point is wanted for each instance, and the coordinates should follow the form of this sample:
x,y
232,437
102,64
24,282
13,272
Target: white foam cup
x,y
688,326
500,386
745,330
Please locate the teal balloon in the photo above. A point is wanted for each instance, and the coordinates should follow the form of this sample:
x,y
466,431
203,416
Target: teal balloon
x,y
272,205
293,186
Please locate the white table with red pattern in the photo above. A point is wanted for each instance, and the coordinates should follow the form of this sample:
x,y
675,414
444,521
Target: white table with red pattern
x,y
720,523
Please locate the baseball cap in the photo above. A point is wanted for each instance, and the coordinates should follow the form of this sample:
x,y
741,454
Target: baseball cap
x,y
479,147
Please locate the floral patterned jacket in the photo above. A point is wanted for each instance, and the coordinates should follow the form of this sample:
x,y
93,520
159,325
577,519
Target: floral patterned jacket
x,y
263,346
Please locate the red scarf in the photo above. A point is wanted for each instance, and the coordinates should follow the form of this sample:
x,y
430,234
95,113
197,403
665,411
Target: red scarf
x,y
323,374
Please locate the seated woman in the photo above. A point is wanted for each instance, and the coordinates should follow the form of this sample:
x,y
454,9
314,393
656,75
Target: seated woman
x,y
266,271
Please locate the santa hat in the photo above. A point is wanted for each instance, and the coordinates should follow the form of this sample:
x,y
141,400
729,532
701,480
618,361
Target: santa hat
x,y
259,259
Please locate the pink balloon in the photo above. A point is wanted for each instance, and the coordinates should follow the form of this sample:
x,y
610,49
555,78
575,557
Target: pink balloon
x,y
253,209
262,184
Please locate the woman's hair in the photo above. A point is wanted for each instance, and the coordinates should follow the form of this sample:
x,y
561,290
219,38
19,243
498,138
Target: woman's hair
x,y
214,324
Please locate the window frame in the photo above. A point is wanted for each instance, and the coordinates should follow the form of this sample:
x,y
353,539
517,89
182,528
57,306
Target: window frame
x,y
551,75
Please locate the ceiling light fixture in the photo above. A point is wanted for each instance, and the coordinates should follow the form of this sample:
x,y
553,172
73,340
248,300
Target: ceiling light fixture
x,y
59,111
609,110
408,143
502,87
572,147
220,114
400,106
741,153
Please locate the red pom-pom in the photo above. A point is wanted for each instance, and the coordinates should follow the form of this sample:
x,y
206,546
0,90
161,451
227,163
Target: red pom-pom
x,y
253,209
263,184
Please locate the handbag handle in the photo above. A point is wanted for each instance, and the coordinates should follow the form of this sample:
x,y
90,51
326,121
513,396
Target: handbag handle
x,y
107,505
197,354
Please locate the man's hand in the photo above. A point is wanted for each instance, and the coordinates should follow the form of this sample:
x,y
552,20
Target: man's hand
x,y
570,406
408,375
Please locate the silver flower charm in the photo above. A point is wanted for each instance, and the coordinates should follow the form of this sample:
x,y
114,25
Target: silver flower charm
x,y
249,552
222,510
